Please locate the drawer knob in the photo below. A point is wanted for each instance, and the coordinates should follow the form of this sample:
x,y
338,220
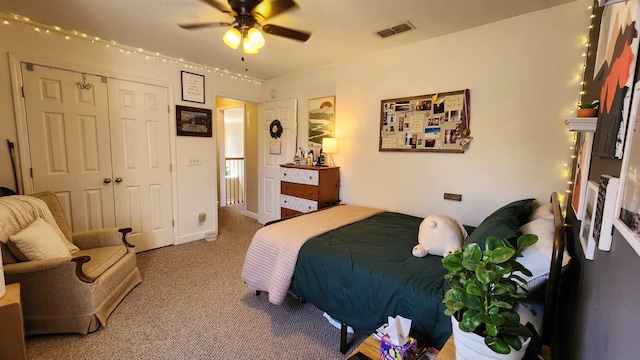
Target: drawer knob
x,y
309,177
285,174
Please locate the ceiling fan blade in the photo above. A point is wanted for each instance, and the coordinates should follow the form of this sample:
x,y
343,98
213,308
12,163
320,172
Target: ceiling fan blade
x,y
203,25
286,32
266,10
217,5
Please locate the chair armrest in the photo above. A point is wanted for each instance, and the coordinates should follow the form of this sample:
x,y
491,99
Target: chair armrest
x,y
35,265
97,238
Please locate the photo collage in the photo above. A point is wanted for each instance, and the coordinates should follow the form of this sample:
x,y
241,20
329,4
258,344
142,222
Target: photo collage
x,y
429,122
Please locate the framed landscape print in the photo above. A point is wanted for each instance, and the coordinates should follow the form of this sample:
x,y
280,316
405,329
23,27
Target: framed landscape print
x,y
192,121
321,119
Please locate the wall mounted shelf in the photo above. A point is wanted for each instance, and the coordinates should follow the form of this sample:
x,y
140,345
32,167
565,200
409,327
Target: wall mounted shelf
x,y
582,124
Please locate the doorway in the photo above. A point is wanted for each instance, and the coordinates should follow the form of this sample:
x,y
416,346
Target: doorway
x,y
237,148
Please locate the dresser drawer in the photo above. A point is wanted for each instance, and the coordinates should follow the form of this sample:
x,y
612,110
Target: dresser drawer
x,y
287,213
297,204
300,176
299,190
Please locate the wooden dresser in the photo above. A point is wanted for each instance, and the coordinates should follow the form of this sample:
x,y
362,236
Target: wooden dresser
x,y
308,188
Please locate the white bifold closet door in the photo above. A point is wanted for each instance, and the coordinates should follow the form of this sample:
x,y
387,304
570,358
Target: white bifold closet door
x,y
102,146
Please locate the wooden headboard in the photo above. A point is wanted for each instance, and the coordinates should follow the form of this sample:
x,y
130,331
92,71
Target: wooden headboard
x,y
553,284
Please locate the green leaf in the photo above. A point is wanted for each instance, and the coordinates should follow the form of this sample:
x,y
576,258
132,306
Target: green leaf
x,y
471,301
496,344
519,278
472,252
528,307
484,318
526,240
473,289
502,254
492,330
470,318
497,319
519,330
470,265
493,242
501,304
511,317
452,263
513,341
486,276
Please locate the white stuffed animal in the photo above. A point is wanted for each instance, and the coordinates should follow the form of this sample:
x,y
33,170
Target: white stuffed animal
x,y
439,235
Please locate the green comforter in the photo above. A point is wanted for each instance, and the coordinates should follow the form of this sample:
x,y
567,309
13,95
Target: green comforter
x,y
363,272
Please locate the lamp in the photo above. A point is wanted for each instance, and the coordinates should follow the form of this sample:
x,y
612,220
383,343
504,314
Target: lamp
x,y
330,146
251,38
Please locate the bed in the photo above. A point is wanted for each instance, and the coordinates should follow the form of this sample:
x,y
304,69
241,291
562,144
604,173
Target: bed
x,y
356,264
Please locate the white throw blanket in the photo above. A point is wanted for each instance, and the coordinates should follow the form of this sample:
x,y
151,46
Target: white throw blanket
x,y
19,211
273,253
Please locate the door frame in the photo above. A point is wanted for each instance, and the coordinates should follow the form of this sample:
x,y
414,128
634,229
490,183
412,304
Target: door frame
x,y
19,108
222,154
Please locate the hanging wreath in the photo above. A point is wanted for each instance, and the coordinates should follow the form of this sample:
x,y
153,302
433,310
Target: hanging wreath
x,y
275,129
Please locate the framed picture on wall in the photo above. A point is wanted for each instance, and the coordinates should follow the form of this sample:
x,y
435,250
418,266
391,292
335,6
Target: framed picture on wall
x,y
627,220
321,119
616,61
192,121
192,87
578,199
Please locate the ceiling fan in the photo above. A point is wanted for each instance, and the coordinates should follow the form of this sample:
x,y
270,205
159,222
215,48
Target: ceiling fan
x,y
248,14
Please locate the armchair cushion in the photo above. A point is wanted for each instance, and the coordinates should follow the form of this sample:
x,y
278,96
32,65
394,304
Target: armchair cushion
x,y
37,241
102,258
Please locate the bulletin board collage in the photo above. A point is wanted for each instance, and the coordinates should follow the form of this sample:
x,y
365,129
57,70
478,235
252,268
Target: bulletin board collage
x,y
434,122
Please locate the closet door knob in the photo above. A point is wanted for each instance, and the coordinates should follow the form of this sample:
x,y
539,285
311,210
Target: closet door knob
x,y
106,180
118,179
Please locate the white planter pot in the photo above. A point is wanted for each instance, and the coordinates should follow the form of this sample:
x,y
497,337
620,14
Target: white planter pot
x,y
470,346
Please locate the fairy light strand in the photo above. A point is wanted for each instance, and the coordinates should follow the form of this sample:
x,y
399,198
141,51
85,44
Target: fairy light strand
x,y
47,30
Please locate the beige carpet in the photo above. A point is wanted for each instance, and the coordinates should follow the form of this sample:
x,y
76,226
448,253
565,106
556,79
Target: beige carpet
x,y
192,304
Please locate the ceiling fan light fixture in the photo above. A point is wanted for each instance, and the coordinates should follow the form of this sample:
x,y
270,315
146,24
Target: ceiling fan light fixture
x,y
232,38
255,38
249,47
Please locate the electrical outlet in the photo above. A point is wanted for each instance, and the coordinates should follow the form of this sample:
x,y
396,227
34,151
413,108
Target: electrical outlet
x,y
195,161
455,197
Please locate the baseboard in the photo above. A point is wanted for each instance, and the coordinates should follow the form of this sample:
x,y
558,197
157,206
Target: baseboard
x,y
208,235
251,215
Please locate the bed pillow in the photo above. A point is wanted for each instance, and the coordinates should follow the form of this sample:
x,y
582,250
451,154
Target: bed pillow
x,y
537,257
504,223
38,241
542,212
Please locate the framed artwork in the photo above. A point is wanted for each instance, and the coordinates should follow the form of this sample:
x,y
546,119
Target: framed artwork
x,y
616,62
434,122
192,121
586,226
627,219
192,87
579,192
322,122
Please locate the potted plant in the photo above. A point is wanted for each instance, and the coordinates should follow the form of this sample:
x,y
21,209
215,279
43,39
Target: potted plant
x,y
482,298
588,109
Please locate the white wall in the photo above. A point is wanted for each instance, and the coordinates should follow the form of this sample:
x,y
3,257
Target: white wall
x,y
234,132
196,186
523,76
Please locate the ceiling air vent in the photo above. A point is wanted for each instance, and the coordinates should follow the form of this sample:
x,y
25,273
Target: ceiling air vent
x,y
406,26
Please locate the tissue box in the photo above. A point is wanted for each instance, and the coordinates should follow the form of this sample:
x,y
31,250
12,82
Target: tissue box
x,y
388,351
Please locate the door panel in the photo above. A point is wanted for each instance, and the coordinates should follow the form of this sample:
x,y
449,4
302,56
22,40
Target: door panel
x,y
141,158
70,143
269,164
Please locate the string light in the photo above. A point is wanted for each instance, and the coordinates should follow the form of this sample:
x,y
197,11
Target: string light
x,y
568,173
126,50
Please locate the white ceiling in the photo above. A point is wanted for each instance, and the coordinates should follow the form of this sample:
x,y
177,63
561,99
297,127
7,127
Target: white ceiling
x,y
341,29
